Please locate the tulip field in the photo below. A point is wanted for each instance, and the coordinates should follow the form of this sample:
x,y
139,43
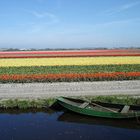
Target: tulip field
x,y
70,53
70,61
68,66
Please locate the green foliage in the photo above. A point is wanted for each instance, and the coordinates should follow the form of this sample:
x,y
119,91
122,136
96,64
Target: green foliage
x,y
70,69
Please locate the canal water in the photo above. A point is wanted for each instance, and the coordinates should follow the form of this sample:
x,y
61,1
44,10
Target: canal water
x,y
63,125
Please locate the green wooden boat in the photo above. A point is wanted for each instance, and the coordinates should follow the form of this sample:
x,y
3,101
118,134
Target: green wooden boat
x,y
99,109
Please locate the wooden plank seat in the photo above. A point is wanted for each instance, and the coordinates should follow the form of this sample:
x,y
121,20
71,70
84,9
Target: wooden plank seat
x,y
125,109
83,105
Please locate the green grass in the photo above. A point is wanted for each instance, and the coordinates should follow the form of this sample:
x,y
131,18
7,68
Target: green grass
x,y
69,69
26,103
120,99
41,103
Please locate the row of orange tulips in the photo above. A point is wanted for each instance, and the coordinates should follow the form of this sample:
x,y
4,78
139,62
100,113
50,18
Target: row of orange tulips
x,y
69,77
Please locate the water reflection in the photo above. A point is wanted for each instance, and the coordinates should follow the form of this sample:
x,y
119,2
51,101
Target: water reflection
x,y
59,125
81,119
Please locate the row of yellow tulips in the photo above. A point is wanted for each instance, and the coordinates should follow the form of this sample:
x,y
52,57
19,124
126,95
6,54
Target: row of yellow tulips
x,y
69,61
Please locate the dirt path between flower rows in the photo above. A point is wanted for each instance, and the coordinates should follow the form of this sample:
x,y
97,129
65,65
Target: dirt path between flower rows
x,y
47,90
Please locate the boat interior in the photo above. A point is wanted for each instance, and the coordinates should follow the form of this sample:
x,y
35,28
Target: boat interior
x,y
101,106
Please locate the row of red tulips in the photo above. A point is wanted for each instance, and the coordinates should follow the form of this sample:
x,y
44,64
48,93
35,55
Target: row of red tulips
x,y
72,53
69,77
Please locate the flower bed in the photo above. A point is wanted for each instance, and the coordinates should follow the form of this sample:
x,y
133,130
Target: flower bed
x,y
72,65
79,61
72,53
69,77
70,69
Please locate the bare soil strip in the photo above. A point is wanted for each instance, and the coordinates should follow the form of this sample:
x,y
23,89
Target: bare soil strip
x,y
51,90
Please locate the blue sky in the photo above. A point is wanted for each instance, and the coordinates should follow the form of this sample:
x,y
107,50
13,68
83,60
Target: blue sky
x,y
69,23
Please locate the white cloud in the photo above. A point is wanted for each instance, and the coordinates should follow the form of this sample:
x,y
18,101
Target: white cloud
x,y
41,14
44,15
122,8
125,21
43,21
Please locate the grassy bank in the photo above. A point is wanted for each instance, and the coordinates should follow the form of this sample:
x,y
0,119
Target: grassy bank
x,y
41,103
122,99
69,69
26,103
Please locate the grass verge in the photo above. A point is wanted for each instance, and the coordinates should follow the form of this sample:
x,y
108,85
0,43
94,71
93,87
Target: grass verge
x,y
120,99
26,103
45,103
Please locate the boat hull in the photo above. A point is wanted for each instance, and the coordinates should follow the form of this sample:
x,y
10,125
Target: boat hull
x,y
95,113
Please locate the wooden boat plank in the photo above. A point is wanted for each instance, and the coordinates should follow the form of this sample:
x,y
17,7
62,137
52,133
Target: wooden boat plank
x,y
125,109
83,105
